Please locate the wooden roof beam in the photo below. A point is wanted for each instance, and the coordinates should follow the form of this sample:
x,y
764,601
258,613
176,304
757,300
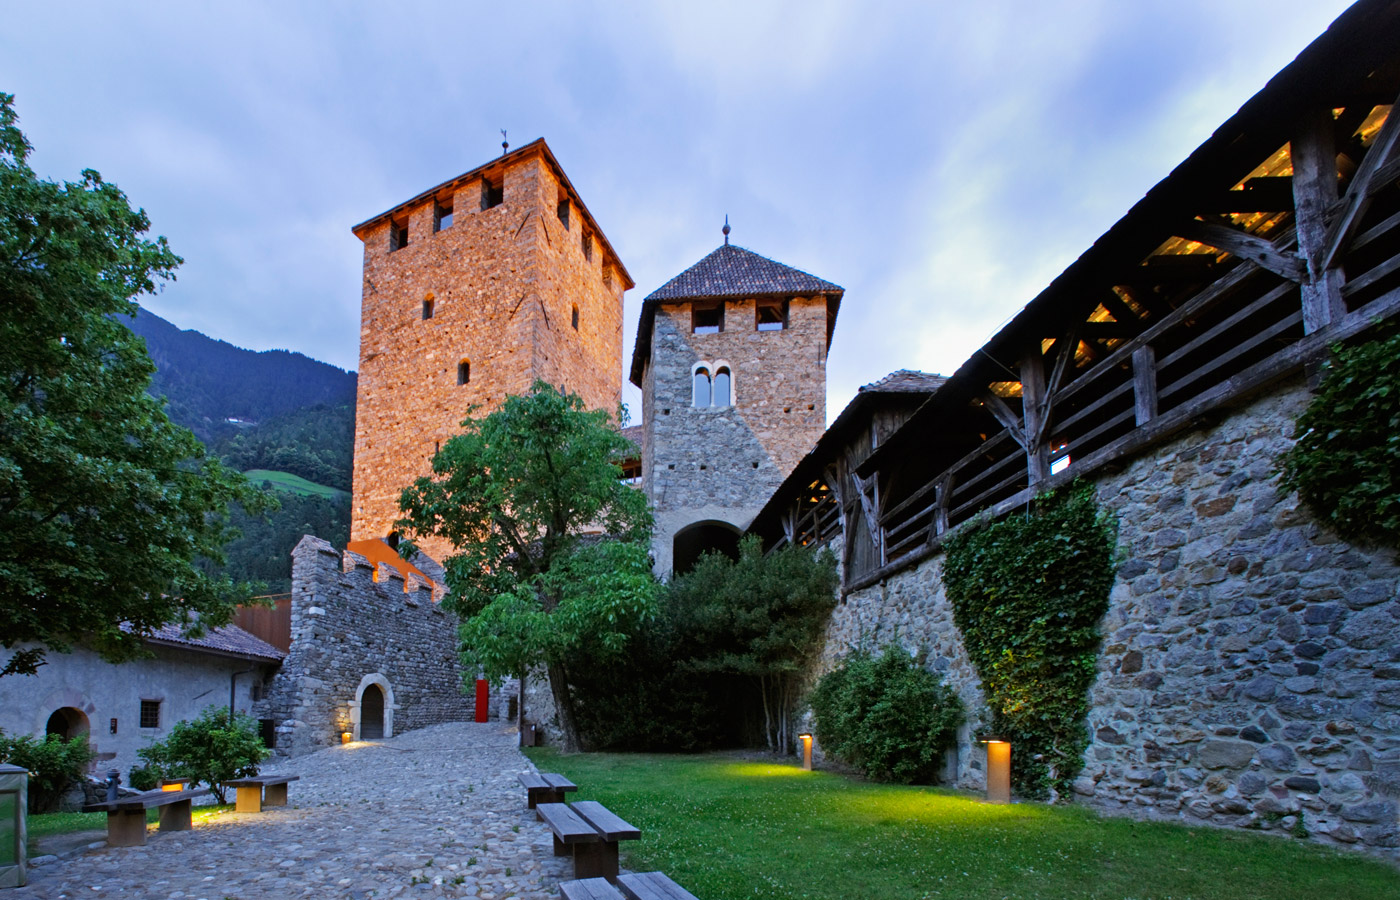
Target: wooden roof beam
x,y
1246,246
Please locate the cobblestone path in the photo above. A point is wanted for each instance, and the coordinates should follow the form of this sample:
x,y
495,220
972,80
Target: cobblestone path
x,y
431,813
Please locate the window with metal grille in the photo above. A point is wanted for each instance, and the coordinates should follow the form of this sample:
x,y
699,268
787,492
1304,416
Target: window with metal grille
x,y
150,713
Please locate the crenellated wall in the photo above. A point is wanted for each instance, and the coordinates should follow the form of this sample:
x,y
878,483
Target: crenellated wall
x,y
353,626
1250,671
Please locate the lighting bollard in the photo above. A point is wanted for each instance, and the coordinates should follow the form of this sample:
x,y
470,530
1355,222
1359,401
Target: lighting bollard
x,y
14,803
998,768
806,740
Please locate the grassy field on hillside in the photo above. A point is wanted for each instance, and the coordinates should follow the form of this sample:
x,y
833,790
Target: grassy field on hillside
x,y
727,828
295,484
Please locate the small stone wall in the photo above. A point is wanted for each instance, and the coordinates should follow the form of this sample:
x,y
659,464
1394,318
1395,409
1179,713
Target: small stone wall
x,y
1250,674
349,630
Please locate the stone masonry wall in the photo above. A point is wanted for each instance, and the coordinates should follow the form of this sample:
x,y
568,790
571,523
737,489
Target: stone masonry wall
x,y
349,629
723,463
1250,673
503,283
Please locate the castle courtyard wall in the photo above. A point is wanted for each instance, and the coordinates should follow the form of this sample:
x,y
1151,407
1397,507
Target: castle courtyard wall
x,y
1250,671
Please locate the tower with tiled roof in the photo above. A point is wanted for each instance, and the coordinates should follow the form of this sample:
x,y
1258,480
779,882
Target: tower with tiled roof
x,y
474,289
731,361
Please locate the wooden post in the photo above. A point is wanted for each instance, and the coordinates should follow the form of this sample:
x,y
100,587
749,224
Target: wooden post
x,y
1145,384
1035,416
1314,190
942,494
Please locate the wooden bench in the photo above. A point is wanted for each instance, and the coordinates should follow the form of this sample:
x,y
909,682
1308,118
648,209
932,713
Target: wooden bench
x,y
590,832
639,886
126,816
250,797
546,787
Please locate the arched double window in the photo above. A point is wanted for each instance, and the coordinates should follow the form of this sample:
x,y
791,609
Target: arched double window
x,y
712,385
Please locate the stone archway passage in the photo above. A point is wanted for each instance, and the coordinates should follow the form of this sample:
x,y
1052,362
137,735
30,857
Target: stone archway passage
x,y
372,713
68,723
702,537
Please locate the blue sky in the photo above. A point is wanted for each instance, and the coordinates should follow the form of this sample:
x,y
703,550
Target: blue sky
x,y
941,161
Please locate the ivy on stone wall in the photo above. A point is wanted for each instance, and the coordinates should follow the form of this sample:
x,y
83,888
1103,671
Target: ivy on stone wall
x,y
1028,592
1346,463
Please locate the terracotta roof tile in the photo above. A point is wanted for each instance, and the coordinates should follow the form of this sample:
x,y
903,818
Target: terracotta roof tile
x,y
906,381
228,639
732,271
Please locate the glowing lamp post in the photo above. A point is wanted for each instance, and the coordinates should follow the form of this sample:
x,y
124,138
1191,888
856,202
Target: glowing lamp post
x,y
998,768
14,802
806,740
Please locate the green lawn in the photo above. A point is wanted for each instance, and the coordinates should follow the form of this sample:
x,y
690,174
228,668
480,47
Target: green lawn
x,y
46,824
294,484
726,828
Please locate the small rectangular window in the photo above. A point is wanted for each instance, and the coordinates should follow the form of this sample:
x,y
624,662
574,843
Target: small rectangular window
x,y
398,235
442,215
464,372
588,246
707,319
772,316
563,211
575,320
427,309
150,713
492,194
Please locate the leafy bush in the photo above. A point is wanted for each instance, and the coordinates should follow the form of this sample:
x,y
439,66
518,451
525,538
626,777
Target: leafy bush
x,y
887,715
144,778
1027,593
1346,463
53,764
212,749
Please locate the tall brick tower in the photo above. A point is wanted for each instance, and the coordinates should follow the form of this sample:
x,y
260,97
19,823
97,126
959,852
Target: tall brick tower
x,y
731,361
473,290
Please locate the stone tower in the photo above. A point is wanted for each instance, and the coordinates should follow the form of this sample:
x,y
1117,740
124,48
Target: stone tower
x,y
731,361
473,290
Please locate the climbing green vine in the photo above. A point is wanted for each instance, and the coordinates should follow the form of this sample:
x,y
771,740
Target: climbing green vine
x,y
1346,463
1028,592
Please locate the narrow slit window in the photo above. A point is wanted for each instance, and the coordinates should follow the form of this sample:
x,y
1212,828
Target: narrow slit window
x,y
772,316
722,386
575,317
562,211
493,194
700,394
464,372
398,235
707,319
442,215
588,246
428,307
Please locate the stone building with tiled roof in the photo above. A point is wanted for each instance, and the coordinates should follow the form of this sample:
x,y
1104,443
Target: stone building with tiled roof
x,y
731,361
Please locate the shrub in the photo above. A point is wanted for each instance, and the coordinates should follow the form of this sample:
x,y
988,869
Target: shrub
x,y
887,715
212,749
53,764
144,778
1346,463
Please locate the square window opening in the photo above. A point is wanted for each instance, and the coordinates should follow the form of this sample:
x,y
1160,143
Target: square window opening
x,y
493,194
442,215
150,713
398,235
707,319
772,316
562,211
588,246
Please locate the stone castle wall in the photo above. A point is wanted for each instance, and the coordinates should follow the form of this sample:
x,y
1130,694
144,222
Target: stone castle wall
x,y
723,463
350,630
503,283
1250,673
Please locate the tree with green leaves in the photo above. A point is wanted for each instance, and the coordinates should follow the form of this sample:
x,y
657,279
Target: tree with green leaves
x,y
218,746
106,508
551,547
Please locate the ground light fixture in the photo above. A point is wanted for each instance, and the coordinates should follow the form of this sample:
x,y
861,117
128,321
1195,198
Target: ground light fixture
x,y
174,784
806,740
14,803
998,768
345,737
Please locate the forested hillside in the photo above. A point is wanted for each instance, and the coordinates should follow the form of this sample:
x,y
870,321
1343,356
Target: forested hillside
x,y
274,410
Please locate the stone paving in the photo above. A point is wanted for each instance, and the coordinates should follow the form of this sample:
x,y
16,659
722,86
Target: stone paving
x,y
431,813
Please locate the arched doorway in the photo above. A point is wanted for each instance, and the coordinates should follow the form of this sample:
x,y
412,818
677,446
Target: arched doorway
x,y
68,722
702,537
372,714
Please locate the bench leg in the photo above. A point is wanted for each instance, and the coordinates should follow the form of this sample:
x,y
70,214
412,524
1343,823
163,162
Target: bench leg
x,y
126,828
249,800
596,859
176,816
276,795
532,797
561,848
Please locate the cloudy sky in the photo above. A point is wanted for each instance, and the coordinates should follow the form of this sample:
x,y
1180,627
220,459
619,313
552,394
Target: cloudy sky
x,y
942,161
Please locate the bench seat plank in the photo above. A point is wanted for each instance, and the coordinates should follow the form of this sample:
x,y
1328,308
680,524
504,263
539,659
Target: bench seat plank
x,y
612,827
548,787
651,886
262,780
567,825
145,801
531,781
589,889
559,782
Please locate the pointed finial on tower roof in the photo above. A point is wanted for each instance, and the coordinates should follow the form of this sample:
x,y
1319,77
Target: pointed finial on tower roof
x,y
505,145
725,229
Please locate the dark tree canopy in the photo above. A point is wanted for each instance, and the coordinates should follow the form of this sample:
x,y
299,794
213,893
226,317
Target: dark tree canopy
x,y
105,506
